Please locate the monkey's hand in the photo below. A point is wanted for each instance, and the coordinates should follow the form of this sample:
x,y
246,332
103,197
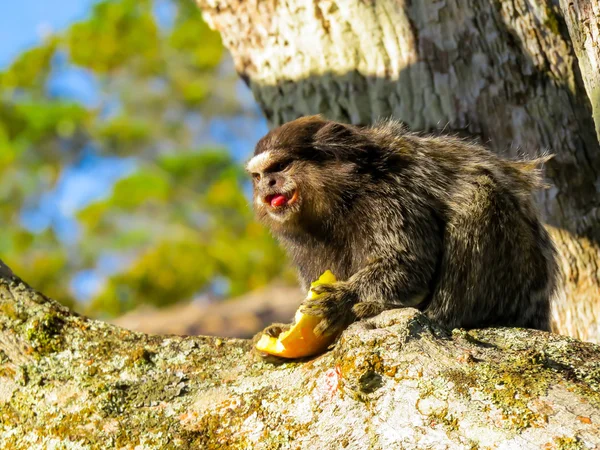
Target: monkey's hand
x,y
273,330
333,304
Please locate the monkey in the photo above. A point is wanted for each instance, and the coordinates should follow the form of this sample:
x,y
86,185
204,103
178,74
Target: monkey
x,y
405,220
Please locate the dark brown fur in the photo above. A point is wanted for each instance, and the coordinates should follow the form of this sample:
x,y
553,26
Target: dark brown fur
x,y
403,220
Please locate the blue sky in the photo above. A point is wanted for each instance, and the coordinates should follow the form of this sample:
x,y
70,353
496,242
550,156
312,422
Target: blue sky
x,y
23,23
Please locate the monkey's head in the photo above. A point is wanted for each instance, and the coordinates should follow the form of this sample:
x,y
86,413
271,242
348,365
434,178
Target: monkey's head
x,y
307,172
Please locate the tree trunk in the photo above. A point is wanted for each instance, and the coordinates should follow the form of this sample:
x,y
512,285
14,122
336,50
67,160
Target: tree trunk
x,y
395,381
523,75
583,20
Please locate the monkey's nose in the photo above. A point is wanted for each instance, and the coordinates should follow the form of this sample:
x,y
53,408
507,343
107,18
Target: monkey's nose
x,y
272,182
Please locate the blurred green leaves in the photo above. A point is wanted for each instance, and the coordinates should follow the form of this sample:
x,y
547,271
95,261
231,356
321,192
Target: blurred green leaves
x,y
30,70
50,119
124,131
189,217
178,219
116,33
196,39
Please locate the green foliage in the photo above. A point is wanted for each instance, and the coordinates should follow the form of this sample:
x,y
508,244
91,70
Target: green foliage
x,y
143,187
30,70
117,33
125,131
179,219
194,225
194,37
49,119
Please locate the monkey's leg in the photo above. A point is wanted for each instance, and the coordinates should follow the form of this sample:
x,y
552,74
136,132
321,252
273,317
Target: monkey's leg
x,y
498,265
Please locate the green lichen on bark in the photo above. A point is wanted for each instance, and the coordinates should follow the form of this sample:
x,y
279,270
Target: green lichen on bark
x,y
90,383
551,21
395,380
509,386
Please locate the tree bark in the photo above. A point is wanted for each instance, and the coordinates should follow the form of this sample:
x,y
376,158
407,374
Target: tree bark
x,y
395,381
583,19
520,74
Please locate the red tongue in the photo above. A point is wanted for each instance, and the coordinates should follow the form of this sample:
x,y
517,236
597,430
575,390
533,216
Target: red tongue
x,y
278,200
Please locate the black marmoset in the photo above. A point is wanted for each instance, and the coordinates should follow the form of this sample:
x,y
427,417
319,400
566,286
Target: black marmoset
x,y
434,223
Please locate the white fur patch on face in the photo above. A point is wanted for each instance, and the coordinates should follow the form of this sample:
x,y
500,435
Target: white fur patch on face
x,y
277,217
259,162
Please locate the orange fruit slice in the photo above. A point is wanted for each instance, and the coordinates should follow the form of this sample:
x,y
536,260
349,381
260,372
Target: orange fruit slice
x,y
300,340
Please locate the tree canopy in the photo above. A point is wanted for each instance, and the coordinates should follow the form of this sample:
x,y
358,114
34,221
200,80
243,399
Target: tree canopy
x,y
170,217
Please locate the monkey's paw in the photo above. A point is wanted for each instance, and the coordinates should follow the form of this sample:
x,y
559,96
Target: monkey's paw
x,y
276,329
273,330
333,304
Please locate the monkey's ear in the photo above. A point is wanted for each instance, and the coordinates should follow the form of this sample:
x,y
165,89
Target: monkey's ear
x,y
298,133
301,131
327,132
333,130
342,141
308,125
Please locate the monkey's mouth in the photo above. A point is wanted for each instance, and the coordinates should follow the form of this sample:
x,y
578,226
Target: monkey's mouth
x,y
282,199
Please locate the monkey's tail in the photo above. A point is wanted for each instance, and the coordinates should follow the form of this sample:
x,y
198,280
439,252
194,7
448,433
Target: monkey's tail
x,y
530,172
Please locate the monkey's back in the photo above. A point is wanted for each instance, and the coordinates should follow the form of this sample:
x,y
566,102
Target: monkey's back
x,y
498,262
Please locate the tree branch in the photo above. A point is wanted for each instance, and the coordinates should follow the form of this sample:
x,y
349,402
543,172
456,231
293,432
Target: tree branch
x,y
395,380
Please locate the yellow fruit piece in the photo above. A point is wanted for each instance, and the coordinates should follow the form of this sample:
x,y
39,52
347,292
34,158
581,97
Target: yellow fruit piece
x,y
300,340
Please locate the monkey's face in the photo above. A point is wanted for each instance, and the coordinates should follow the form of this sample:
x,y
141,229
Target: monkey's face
x,y
293,193
306,174
277,187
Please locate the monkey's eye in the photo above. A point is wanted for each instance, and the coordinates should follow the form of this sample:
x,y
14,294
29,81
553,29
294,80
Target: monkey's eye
x,y
279,166
255,176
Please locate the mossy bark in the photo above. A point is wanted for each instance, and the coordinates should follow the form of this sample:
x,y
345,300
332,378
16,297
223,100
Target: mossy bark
x,y
504,70
395,381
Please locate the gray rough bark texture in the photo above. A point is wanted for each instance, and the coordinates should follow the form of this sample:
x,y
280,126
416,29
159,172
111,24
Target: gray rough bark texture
x,y
395,381
583,20
520,74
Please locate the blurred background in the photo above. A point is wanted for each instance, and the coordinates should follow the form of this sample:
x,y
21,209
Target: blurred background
x,y
123,133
